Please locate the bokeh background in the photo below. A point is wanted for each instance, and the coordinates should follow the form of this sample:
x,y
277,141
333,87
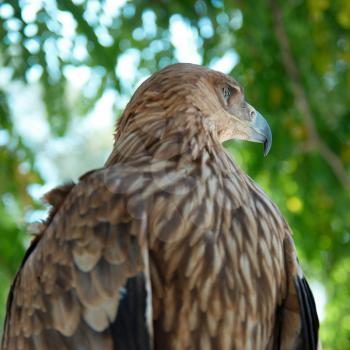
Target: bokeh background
x,y
67,69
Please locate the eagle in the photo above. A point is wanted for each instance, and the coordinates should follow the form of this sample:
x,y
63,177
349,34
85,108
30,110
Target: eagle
x,y
169,245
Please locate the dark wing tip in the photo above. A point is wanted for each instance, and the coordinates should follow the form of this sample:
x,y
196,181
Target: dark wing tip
x,y
308,313
129,331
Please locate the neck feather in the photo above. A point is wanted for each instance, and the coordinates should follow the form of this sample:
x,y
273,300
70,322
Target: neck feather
x,y
180,138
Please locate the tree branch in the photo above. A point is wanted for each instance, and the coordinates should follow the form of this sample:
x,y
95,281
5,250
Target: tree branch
x,y
315,141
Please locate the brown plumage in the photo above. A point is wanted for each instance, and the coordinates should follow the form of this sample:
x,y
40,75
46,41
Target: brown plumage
x,y
170,245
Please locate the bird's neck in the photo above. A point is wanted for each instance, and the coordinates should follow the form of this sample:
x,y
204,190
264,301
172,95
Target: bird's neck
x,y
183,134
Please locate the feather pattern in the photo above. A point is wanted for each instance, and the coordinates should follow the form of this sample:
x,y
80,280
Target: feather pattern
x,y
169,246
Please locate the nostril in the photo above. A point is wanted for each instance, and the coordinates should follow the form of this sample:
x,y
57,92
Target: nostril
x,y
252,114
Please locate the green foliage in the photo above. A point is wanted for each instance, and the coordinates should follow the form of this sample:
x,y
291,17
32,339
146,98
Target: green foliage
x,y
308,184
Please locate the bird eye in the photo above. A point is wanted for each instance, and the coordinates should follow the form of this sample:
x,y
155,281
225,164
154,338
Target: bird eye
x,y
227,92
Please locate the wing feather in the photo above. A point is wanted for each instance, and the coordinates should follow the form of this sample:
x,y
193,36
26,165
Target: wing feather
x,y
298,329
77,280
308,314
129,329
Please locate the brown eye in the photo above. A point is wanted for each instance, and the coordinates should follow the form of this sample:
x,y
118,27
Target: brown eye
x,y
227,93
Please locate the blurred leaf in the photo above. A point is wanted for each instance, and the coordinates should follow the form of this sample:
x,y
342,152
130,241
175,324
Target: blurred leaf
x,y
40,42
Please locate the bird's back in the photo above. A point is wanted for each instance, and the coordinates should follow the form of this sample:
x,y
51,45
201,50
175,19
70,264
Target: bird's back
x,y
217,259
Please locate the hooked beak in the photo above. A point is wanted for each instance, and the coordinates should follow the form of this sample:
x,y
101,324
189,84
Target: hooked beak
x,y
260,132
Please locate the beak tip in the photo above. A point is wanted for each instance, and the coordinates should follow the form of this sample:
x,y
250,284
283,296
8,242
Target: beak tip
x,y
267,147
268,141
261,132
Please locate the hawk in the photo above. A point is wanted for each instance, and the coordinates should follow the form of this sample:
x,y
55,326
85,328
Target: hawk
x,y
170,245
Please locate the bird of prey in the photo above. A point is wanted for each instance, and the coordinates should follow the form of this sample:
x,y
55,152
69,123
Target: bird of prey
x,y
170,245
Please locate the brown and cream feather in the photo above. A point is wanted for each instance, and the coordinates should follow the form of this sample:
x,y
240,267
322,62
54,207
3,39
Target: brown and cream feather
x,y
170,245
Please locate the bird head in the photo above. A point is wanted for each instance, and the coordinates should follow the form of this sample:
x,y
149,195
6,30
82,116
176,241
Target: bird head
x,y
184,87
222,100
